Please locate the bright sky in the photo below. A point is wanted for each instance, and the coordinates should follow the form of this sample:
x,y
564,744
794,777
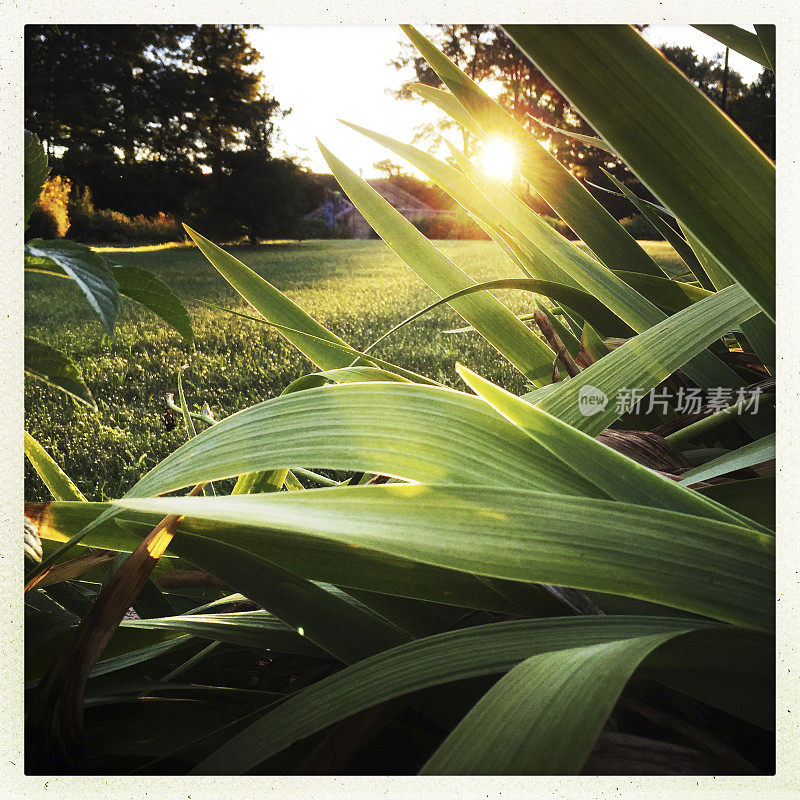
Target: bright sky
x,y
330,72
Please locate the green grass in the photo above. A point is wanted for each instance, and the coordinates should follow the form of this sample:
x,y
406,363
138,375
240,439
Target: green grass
x,y
357,288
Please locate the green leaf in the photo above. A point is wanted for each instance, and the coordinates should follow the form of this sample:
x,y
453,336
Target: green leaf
x,y
56,369
276,307
187,420
582,302
615,474
593,343
465,653
759,330
273,480
668,295
318,560
545,715
449,103
403,430
680,145
766,37
335,623
700,565
647,359
36,172
754,497
740,40
145,288
754,453
663,226
258,629
126,648
591,141
88,269
55,479
270,480
491,318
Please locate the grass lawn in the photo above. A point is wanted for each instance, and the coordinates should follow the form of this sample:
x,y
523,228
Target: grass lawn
x,y
357,288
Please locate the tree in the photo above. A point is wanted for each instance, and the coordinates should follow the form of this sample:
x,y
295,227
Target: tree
x,y
139,112
389,167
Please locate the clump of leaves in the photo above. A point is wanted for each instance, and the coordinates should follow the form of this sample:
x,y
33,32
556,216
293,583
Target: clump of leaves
x,y
504,584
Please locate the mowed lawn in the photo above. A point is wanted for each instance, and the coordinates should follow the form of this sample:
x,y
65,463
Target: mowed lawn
x,y
359,289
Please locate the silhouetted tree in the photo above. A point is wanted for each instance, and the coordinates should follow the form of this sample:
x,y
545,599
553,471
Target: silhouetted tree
x,y
164,118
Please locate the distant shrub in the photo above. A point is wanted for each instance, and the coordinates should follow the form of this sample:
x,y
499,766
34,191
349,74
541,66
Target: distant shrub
x,y
315,228
449,225
560,226
638,227
90,224
50,216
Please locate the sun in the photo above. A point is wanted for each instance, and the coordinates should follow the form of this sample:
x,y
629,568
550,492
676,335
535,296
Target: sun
x,y
498,159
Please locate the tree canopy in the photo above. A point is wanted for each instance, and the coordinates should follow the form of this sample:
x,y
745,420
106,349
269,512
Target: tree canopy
x,y
167,118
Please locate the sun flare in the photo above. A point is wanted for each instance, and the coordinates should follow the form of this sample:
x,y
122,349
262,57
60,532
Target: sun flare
x,y
498,159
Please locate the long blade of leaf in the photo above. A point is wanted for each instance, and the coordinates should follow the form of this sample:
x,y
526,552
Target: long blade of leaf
x,y
471,652
341,627
54,368
55,479
754,453
693,563
668,295
740,40
258,629
675,139
314,559
766,37
618,476
88,269
644,361
591,141
275,306
404,430
544,716
127,647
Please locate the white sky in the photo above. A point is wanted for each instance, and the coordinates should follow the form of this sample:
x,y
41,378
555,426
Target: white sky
x,y
327,72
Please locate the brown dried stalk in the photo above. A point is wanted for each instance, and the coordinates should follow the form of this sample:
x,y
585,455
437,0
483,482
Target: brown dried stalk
x,y
556,345
54,725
